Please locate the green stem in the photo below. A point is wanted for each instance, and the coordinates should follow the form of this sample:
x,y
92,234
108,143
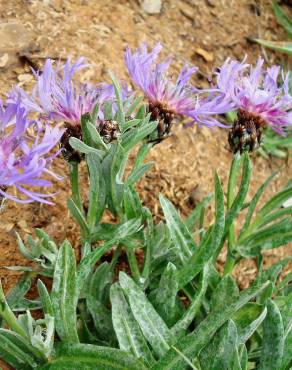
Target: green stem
x,y
229,264
115,257
134,266
8,315
235,167
75,185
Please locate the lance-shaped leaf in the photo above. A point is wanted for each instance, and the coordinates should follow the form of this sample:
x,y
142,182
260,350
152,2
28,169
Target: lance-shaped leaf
x,y
102,319
225,292
192,344
273,339
253,203
247,320
283,18
90,357
282,46
153,327
211,243
165,295
96,190
17,351
127,330
221,352
182,238
238,202
64,294
182,325
45,299
195,215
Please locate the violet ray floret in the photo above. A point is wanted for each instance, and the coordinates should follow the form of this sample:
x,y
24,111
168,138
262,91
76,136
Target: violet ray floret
x,y
57,97
173,96
25,154
263,92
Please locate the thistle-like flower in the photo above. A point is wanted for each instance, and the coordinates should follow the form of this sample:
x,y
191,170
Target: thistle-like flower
x,y
25,154
261,97
167,97
57,97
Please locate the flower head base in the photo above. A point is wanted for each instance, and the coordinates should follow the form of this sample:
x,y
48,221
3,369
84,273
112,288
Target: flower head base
x,y
258,97
246,133
166,97
24,158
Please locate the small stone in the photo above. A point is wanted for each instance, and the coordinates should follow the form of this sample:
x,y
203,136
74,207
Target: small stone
x,y
23,226
4,60
187,11
196,196
24,78
152,6
13,37
208,56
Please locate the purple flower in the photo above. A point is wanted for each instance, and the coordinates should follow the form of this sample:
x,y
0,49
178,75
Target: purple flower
x,y
55,95
168,97
25,154
257,91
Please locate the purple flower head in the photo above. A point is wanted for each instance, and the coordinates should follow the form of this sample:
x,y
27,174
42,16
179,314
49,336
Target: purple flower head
x,y
55,95
25,154
257,91
167,96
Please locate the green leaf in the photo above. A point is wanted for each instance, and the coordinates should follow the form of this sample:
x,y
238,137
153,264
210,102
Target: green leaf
x,y
247,320
100,282
64,294
133,106
101,318
233,176
282,18
126,327
221,351
241,195
273,203
96,190
90,357
90,134
194,216
219,226
254,202
273,339
81,147
87,263
19,290
165,294
16,351
118,92
45,298
135,136
153,327
136,175
130,124
182,238
282,46
225,292
192,344
132,203
197,261
22,248
78,216
194,306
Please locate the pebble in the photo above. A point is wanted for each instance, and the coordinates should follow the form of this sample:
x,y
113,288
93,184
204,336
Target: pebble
x,y
151,6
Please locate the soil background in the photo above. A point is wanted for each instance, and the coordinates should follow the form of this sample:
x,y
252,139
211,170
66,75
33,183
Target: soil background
x,y
203,32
